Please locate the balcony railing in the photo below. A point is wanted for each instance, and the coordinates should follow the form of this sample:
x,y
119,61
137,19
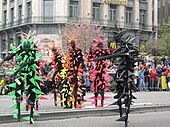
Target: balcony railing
x,y
64,19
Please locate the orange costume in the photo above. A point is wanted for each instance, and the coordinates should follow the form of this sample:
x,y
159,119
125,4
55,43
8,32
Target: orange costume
x,y
75,63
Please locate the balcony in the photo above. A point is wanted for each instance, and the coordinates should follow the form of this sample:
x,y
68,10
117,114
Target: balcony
x,y
63,20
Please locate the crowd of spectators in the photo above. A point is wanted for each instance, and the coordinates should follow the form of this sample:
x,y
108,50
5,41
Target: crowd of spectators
x,y
6,77
153,75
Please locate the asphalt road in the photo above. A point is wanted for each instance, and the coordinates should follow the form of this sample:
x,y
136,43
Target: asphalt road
x,y
143,99
152,119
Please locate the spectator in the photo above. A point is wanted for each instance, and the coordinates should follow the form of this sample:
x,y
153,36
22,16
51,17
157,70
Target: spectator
x,y
155,61
86,79
167,74
153,75
141,78
3,87
136,76
168,81
159,71
146,75
168,62
163,59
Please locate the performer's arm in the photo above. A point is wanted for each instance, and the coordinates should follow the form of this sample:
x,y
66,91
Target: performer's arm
x,y
24,64
9,57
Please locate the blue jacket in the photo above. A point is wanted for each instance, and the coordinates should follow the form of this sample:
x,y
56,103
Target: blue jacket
x,y
159,71
141,74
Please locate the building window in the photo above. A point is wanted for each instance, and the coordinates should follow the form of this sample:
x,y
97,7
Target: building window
x,y
142,18
112,13
29,9
5,16
5,1
96,11
129,16
3,45
12,16
20,13
48,8
73,8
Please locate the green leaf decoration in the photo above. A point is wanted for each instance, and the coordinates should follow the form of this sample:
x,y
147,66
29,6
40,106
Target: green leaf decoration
x,y
25,57
32,80
37,55
32,120
26,67
30,53
37,97
9,73
37,91
32,47
15,116
12,92
22,39
36,59
28,96
13,106
23,78
37,78
25,74
33,68
36,114
13,85
30,40
35,65
26,86
22,106
13,96
15,111
19,92
14,51
36,84
30,73
27,118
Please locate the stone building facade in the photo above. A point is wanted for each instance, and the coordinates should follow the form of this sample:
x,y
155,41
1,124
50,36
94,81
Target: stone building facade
x,y
47,17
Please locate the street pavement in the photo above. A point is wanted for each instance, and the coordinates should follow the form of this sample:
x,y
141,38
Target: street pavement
x,y
151,119
145,102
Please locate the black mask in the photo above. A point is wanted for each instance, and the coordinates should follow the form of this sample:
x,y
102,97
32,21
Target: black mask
x,y
26,47
100,45
72,44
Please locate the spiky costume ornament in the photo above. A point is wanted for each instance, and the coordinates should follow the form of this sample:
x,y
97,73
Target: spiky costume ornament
x,y
99,77
75,64
26,77
60,78
57,67
124,75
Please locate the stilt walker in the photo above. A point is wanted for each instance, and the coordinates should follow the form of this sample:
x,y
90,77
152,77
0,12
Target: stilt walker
x,y
99,77
75,64
57,62
124,75
26,78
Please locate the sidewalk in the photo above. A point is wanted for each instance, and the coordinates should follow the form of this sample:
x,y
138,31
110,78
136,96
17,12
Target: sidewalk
x,y
146,102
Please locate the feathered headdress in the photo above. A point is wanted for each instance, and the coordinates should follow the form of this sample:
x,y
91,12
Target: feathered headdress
x,y
99,40
53,47
72,39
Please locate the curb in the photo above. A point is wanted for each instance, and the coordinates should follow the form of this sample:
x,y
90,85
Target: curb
x,y
77,113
